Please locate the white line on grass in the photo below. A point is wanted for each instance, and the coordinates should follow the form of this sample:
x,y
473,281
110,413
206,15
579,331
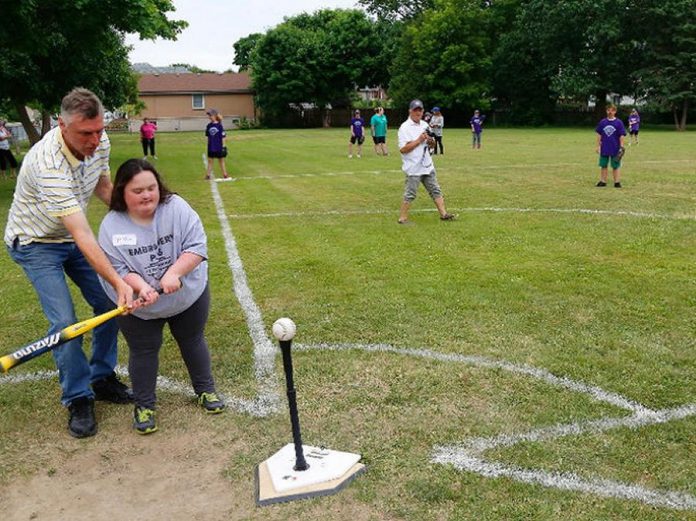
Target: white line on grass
x,y
585,211
467,457
268,399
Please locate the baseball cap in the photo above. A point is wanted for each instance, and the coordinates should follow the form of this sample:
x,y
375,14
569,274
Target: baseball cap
x,y
415,104
211,112
436,109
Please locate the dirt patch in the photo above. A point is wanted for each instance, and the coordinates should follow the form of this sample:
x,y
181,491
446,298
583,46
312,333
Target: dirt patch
x,y
172,476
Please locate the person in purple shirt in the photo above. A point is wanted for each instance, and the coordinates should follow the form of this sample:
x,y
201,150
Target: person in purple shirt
x,y
476,123
357,135
610,144
634,126
216,135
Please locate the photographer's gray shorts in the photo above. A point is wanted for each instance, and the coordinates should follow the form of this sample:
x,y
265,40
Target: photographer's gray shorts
x,y
429,181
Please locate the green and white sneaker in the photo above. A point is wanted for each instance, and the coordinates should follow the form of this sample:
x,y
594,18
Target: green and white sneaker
x,y
144,420
211,403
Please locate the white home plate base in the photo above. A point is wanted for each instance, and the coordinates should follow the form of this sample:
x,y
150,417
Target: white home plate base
x,y
329,471
223,179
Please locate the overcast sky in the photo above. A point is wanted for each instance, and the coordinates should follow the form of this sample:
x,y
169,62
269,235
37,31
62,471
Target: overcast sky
x,y
215,25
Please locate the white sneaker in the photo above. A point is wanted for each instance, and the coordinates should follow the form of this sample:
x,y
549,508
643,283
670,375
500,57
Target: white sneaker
x,y
359,156
350,156
154,157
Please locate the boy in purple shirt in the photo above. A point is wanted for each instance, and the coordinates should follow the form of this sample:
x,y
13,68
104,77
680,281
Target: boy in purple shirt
x,y
634,126
476,123
610,146
357,124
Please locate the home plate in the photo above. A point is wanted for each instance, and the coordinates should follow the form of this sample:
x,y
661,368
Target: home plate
x,y
224,179
329,471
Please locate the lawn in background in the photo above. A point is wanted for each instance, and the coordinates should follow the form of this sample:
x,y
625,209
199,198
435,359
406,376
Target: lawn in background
x,y
541,268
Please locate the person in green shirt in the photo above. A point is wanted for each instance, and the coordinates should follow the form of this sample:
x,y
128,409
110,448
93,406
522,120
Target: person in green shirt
x,y
378,125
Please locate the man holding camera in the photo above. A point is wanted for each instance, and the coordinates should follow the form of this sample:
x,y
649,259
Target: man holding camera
x,y
415,137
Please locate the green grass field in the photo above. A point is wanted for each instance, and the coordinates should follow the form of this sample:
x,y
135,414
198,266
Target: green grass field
x,y
541,270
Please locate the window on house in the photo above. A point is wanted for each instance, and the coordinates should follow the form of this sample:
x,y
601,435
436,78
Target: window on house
x,y
198,101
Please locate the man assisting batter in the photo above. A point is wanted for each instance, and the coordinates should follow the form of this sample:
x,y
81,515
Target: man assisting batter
x,y
48,235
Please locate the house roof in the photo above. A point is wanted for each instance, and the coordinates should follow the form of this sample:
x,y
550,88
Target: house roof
x,y
198,83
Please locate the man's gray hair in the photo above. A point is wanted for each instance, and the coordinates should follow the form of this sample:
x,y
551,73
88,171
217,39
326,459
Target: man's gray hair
x,y
83,102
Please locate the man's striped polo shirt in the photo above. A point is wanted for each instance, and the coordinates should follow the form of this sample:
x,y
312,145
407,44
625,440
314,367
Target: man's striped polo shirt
x,y
53,183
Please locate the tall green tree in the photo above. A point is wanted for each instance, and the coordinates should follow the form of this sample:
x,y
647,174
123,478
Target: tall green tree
x,y
397,9
444,56
314,58
51,46
243,49
665,34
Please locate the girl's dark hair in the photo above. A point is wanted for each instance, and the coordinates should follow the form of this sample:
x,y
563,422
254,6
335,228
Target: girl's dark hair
x,y
128,171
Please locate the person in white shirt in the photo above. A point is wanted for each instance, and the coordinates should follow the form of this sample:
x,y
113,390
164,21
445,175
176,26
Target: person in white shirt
x,y
417,163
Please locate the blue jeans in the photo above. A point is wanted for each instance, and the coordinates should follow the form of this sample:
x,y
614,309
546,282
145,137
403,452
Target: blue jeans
x,y
46,265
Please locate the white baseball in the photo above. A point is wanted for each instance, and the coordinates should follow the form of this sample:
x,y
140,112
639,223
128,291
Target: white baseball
x,y
284,329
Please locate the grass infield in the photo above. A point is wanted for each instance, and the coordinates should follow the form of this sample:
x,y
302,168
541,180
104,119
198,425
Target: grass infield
x,y
540,269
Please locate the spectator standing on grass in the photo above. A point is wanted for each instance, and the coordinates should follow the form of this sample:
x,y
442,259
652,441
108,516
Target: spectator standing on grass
x,y
610,146
155,240
147,137
357,134
476,123
6,157
378,126
417,163
48,235
437,122
216,135
634,126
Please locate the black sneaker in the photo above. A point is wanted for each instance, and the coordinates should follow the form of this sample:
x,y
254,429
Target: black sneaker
x,y
111,389
211,403
82,423
144,420
617,185
601,183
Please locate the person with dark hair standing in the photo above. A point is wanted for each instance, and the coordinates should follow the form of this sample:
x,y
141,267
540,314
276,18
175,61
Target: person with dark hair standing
x,y
634,126
437,122
476,123
357,134
156,241
147,137
216,135
49,236
6,157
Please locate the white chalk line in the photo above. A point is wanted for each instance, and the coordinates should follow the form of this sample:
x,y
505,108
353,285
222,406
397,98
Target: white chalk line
x,y
268,399
490,209
448,168
467,456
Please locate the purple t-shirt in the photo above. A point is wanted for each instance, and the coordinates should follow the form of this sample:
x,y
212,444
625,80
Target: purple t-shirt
x,y
477,123
215,133
634,122
357,124
611,131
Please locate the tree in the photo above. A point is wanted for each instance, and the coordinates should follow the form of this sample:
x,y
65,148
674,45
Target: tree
x,y
397,9
576,48
80,43
314,58
665,33
444,56
243,49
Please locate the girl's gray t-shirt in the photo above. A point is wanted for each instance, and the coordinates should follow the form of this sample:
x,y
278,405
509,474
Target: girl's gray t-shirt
x,y
150,250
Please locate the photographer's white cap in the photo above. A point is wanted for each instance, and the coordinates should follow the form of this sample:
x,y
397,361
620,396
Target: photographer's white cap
x,y
415,104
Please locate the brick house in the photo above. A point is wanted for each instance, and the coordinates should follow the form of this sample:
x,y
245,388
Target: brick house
x,y
179,101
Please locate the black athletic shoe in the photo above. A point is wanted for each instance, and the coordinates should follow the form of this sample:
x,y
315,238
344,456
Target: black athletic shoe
x,y
144,420
82,422
601,183
617,185
211,402
111,389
